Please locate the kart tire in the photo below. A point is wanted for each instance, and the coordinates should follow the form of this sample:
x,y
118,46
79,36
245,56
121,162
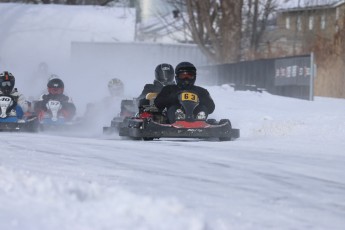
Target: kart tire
x,y
33,129
211,121
222,121
41,128
225,139
148,138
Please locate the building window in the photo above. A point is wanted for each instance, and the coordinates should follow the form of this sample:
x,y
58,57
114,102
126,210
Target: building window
x,y
299,23
311,22
323,22
287,23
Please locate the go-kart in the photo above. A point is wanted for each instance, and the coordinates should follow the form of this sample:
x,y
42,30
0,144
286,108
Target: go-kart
x,y
128,109
55,117
153,124
9,120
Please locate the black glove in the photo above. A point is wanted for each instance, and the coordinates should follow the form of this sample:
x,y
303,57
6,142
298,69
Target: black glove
x,y
173,98
143,102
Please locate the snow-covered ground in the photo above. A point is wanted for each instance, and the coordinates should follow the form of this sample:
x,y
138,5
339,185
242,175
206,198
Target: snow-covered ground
x,y
285,172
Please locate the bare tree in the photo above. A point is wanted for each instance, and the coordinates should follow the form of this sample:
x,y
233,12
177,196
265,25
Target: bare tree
x,y
260,18
257,15
225,30
215,26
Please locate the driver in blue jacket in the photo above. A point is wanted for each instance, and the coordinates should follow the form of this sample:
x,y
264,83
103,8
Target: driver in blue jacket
x,y
185,76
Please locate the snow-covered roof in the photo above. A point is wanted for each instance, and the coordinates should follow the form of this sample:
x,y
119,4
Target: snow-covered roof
x,y
296,5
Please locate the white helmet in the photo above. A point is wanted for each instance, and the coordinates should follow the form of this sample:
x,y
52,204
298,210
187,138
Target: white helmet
x,y
53,76
115,87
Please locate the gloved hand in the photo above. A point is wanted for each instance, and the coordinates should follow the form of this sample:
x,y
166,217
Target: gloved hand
x,y
45,97
143,102
173,98
63,98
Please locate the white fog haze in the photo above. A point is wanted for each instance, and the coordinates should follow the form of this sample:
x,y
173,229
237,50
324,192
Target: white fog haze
x,y
44,33
286,171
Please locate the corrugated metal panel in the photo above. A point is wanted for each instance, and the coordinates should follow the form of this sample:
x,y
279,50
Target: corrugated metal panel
x,y
288,76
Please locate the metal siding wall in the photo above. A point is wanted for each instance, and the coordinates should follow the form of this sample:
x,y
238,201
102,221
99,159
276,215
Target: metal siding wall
x,y
262,74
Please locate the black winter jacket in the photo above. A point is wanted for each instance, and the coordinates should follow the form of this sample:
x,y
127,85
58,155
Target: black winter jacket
x,y
156,87
58,97
169,96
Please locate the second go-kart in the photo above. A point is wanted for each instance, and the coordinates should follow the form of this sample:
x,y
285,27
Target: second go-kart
x,y
128,109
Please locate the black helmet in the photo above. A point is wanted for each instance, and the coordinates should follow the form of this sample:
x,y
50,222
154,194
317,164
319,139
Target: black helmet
x,y
55,86
7,82
185,74
164,74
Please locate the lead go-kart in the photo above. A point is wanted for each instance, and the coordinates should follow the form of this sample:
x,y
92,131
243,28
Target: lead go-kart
x,y
152,124
9,120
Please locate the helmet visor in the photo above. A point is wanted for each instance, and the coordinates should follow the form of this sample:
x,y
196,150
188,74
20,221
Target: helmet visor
x,y
6,83
55,90
186,75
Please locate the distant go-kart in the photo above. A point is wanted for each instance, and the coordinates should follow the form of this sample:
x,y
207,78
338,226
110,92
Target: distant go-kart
x,y
152,124
128,109
9,120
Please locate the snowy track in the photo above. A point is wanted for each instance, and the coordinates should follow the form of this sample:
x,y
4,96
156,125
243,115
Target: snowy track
x,y
283,173
262,182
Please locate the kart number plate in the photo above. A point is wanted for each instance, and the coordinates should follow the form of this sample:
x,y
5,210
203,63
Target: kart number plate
x,y
190,97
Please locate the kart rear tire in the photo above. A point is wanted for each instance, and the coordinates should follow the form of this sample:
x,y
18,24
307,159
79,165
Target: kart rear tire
x,y
211,121
33,129
223,121
225,139
148,138
41,128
